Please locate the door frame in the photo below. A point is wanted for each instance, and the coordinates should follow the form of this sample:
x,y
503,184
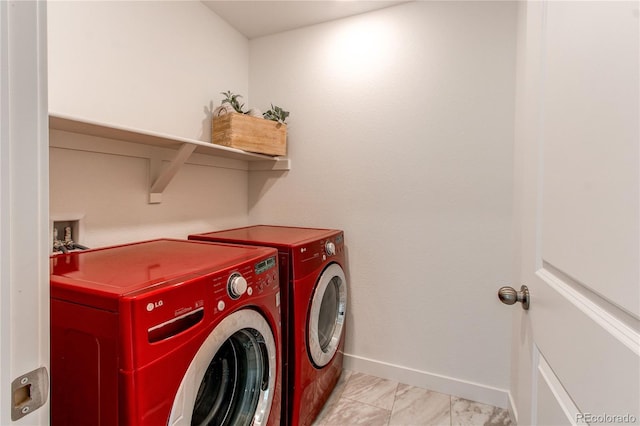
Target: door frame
x,y
24,205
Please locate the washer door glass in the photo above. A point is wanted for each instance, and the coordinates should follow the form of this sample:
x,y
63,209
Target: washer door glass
x,y
229,391
231,380
326,317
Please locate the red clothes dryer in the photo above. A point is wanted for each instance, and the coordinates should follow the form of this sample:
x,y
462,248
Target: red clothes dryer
x,y
166,332
314,292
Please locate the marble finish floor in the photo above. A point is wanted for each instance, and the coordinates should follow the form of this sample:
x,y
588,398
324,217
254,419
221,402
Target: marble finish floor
x,y
360,399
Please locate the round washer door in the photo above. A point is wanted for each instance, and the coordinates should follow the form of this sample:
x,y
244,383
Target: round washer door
x,y
327,313
231,379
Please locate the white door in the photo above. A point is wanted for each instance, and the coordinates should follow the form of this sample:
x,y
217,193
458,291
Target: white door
x,y
24,214
576,351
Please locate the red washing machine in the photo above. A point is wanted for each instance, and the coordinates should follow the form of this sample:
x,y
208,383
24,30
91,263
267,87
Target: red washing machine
x,y
166,332
314,292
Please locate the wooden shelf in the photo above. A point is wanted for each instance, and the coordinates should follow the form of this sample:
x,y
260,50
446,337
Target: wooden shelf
x,y
184,147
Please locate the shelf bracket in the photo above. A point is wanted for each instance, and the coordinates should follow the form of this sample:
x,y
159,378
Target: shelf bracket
x,y
165,177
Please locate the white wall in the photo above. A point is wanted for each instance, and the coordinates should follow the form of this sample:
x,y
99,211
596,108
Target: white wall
x,y
157,66
401,134
150,65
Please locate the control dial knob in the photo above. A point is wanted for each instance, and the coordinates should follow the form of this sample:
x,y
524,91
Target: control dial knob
x,y
236,285
330,248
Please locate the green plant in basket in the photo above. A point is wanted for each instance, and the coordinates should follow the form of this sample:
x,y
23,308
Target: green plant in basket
x,y
276,114
232,99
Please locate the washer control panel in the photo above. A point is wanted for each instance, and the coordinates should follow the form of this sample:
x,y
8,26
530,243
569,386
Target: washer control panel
x,y
252,278
236,285
266,273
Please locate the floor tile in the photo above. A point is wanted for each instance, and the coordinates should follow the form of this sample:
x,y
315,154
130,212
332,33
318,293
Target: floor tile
x,y
416,406
334,398
370,390
360,399
465,412
349,412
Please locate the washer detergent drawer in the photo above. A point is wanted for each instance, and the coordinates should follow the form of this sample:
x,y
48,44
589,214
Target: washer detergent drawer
x,y
158,321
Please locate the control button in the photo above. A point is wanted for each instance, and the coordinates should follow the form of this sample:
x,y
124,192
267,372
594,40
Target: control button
x,y
330,248
221,305
249,291
236,285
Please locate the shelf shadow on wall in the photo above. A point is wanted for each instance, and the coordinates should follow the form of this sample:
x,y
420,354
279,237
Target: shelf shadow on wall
x,y
260,182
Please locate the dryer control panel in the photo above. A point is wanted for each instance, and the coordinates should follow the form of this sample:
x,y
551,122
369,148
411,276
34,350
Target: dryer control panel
x,y
308,257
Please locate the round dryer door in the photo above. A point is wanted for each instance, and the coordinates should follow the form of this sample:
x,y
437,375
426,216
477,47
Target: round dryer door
x,y
231,380
327,313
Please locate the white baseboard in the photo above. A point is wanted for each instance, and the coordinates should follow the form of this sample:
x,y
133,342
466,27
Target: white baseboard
x,y
435,382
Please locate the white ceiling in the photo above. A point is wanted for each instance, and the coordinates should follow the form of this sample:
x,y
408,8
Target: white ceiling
x,y
264,17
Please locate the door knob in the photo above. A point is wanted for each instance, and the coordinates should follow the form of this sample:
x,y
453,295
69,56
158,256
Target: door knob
x,y
509,296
